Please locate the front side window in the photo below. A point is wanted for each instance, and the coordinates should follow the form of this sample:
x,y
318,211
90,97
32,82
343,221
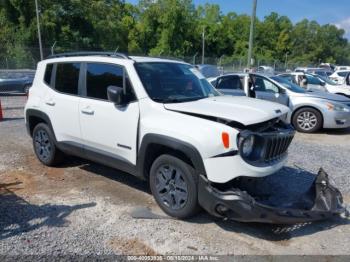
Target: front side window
x,y
264,85
100,76
168,82
67,78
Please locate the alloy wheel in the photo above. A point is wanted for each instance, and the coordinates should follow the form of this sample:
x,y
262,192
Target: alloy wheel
x,y
43,145
171,186
307,120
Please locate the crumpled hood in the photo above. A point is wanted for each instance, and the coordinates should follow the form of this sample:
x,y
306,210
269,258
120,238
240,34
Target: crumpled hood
x,y
244,110
324,95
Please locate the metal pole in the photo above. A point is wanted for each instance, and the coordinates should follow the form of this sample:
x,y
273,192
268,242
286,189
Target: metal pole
x,y
194,58
251,34
53,48
203,45
285,63
39,34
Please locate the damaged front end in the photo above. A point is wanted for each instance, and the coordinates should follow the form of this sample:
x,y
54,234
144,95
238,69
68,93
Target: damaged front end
x,y
273,199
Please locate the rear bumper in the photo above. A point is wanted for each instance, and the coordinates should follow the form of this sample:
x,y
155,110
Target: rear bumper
x,y
238,205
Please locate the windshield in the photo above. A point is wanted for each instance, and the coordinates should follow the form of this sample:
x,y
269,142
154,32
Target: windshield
x,y
289,85
168,82
327,80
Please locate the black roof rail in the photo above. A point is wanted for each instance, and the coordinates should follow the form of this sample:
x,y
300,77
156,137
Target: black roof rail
x,y
89,53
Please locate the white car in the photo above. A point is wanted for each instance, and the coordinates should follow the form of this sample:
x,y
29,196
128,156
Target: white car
x,y
162,121
313,81
334,88
339,76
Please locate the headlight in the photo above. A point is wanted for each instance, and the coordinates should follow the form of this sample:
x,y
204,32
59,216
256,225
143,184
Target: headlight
x,y
248,145
251,146
337,107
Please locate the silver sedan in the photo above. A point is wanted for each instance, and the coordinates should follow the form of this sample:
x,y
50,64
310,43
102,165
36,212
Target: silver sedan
x,y
310,111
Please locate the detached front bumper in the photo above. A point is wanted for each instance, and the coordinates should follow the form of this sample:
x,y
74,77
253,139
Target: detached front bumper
x,y
321,201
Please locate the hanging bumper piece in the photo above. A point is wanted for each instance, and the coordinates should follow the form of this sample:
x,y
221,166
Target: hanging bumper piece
x,y
243,202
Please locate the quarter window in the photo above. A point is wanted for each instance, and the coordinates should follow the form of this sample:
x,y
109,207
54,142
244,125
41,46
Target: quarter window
x,y
100,76
67,78
48,73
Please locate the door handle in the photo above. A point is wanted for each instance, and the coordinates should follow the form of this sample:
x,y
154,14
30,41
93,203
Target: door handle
x,y
50,102
87,111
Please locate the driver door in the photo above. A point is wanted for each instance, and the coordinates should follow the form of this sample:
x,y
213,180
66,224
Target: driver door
x,y
108,129
266,90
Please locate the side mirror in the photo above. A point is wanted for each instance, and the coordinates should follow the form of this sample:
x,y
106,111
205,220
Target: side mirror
x,y
115,94
323,83
282,91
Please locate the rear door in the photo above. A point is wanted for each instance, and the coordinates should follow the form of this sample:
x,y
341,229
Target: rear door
x,y
230,85
107,129
61,101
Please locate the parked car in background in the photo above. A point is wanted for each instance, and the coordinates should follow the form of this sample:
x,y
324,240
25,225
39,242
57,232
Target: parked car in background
x,y
310,111
334,88
327,66
319,82
268,70
15,82
318,71
339,76
209,70
313,82
342,68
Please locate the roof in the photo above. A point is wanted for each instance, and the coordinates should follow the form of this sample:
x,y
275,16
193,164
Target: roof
x,y
70,56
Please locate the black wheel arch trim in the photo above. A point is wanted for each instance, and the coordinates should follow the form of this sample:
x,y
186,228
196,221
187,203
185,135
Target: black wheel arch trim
x,y
38,114
189,150
306,106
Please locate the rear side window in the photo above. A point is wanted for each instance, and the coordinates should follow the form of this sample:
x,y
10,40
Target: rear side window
x,y
67,78
232,82
100,76
48,73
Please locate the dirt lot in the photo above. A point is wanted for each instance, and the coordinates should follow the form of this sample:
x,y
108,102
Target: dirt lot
x,y
87,209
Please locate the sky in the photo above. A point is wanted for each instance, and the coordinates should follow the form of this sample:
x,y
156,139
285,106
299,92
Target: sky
x,y
335,12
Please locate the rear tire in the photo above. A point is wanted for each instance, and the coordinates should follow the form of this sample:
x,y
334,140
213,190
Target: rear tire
x,y
307,120
174,186
44,146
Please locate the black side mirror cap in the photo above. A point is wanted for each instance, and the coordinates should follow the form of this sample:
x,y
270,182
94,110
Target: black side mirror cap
x,y
115,94
282,91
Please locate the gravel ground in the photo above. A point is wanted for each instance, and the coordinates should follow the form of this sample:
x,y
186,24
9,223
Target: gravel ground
x,y
88,209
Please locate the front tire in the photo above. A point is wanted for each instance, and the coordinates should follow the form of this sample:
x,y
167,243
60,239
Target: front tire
x,y
44,146
174,186
307,120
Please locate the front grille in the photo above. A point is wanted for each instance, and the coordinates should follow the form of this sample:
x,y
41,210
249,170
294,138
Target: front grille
x,y
276,146
269,146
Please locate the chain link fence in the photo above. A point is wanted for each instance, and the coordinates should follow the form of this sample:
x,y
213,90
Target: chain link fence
x,y
21,65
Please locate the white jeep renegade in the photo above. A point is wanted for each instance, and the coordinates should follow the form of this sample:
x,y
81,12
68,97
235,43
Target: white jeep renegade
x,y
162,121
